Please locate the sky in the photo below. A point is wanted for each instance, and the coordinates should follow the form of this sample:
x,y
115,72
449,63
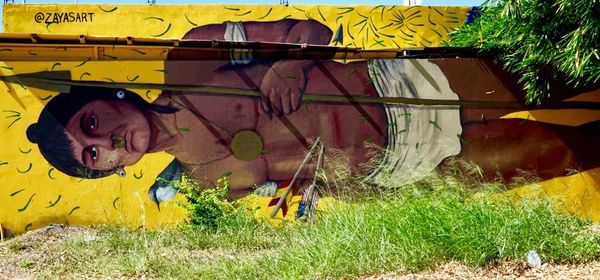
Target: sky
x,y
273,2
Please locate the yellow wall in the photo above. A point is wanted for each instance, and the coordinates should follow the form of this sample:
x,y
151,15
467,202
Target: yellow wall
x,y
36,194
33,194
364,26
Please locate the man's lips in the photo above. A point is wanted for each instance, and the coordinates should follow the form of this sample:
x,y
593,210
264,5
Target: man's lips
x,y
118,141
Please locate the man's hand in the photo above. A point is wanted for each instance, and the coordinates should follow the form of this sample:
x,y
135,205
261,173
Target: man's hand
x,y
282,87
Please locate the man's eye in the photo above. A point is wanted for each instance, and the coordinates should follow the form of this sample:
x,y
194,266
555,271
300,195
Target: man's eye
x,y
93,153
92,121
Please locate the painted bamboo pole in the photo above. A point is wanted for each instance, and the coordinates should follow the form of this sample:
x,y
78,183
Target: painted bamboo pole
x,y
62,85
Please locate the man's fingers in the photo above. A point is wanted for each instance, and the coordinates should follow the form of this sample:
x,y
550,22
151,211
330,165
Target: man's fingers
x,y
286,102
276,102
264,104
296,97
263,108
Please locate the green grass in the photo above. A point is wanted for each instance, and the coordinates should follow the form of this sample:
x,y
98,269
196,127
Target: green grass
x,y
411,228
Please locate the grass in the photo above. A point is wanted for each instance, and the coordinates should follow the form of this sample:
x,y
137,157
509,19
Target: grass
x,y
402,229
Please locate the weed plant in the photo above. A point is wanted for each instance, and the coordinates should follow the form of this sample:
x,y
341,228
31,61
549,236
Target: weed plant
x,y
399,228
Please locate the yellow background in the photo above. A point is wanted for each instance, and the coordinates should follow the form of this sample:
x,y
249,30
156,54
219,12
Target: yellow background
x,y
33,194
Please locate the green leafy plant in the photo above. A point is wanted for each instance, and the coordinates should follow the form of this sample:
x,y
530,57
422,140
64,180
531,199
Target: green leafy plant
x,y
26,263
208,207
547,42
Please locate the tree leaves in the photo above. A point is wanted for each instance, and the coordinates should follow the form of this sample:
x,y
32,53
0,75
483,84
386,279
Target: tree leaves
x,y
545,41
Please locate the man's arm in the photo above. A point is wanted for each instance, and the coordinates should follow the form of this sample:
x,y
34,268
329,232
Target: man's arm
x,y
283,31
283,84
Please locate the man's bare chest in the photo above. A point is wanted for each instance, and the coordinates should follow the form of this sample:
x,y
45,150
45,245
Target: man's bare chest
x,y
227,114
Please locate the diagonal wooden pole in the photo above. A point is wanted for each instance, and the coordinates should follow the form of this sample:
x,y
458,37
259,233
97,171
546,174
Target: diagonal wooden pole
x,y
49,83
287,191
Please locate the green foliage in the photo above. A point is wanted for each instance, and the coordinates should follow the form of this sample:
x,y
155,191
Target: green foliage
x,y
411,228
208,207
25,263
545,41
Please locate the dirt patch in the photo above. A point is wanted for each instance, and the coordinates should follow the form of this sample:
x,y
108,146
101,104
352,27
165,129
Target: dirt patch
x,y
23,255
504,270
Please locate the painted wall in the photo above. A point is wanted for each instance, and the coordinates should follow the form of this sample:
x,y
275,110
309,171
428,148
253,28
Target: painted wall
x,y
211,129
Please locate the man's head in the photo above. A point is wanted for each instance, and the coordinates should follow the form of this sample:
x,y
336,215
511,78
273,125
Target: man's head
x,y
92,131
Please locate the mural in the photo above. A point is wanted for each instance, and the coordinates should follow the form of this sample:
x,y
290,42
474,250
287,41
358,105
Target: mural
x,y
115,151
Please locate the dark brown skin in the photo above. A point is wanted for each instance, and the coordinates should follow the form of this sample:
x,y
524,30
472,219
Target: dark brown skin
x,y
199,135
500,147
505,147
285,127
93,128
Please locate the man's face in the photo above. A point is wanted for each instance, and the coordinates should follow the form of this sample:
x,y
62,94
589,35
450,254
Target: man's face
x,y
106,134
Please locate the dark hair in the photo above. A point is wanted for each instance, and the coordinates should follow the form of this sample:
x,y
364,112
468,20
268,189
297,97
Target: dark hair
x,y
50,135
